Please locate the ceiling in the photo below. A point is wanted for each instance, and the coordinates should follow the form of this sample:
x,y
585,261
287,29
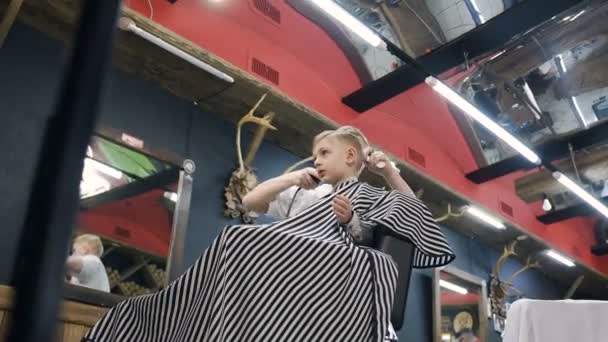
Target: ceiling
x,y
547,87
298,122
458,37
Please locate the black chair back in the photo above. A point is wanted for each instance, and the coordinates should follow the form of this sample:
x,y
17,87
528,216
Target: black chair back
x,y
402,251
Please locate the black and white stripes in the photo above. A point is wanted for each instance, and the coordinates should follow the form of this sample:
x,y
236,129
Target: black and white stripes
x,y
300,279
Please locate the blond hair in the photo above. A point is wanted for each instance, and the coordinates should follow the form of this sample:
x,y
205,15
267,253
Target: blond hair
x,y
93,241
350,135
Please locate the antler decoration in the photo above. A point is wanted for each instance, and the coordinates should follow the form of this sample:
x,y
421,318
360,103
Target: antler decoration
x,y
449,214
508,251
501,289
244,179
529,265
249,117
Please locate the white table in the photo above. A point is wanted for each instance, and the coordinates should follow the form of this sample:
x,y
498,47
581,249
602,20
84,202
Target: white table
x,y
557,321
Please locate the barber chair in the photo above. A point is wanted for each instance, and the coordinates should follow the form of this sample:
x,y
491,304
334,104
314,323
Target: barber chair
x,y
402,252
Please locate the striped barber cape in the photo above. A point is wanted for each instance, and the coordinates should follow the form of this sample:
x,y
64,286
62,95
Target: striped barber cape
x,y
299,279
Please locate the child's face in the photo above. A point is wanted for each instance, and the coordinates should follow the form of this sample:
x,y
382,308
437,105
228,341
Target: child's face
x,y
335,159
80,249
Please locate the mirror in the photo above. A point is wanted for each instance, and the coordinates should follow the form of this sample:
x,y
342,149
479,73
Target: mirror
x,y
460,306
536,94
133,215
415,27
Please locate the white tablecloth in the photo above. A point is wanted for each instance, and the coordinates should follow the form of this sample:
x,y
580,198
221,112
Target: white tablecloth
x,y
557,321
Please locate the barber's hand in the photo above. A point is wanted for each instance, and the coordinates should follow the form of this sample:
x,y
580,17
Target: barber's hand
x,y
305,178
343,209
373,158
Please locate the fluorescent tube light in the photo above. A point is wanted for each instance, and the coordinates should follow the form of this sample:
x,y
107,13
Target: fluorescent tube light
x,y
483,216
478,116
558,257
580,192
453,287
497,55
353,24
578,15
127,24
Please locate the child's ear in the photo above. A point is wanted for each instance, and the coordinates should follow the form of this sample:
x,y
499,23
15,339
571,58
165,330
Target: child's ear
x,y
351,155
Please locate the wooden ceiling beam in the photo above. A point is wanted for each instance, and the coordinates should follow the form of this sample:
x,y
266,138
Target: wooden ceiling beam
x,y
556,38
591,74
592,166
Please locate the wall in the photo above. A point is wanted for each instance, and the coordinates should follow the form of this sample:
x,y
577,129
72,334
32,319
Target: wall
x,y
148,112
31,66
75,319
27,87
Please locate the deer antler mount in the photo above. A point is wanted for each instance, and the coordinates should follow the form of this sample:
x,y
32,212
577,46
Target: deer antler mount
x,y
243,179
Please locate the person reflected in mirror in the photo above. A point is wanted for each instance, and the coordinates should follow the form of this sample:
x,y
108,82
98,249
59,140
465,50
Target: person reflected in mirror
x,y
84,267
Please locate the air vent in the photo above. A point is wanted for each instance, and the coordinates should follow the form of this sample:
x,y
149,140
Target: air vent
x,y
268,10
507,209
120,231
265,71
416,157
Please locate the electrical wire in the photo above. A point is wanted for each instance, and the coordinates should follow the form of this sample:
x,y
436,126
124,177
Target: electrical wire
x,y
151,9
191,115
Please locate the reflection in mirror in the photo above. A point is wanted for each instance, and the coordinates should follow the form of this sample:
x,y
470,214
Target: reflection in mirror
x,y
124,233
460,307
542,86
416,26
378,61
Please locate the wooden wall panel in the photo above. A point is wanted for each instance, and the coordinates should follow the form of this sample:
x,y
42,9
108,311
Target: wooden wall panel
x,y
75,318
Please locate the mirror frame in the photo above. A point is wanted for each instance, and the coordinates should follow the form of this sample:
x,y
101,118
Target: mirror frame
x,y
483,303
175,258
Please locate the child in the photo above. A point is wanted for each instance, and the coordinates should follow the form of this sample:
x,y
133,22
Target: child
x,y
84,266
339,155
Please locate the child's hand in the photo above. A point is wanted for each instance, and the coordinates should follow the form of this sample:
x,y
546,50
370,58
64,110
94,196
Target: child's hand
x,y
306,178
375,158
343,209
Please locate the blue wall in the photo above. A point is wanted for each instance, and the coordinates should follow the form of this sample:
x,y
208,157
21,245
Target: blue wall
x,y
146,111
31,65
